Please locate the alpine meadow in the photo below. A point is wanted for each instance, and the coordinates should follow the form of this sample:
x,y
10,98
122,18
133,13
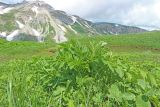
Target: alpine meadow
x,y
49,58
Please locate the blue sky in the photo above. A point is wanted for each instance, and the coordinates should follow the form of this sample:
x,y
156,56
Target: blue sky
x,y
130,12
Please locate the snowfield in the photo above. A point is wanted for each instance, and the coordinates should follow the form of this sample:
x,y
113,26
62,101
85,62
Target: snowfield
x,y
72,29
35,10
5,10
3,34
20,24
12,35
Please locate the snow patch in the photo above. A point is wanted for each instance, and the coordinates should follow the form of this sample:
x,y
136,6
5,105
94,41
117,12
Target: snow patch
x,y
72,29
116,33
60,38
6,10
12,35
30,18
63,28
116,25
35,9
3,34
111,32
38,35
20,24
86,24
74,19
104,32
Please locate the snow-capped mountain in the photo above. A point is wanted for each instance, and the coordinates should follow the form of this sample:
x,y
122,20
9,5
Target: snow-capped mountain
x,y
38,21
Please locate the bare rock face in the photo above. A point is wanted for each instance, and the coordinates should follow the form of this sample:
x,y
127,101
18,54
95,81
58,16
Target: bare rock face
x,y
38,21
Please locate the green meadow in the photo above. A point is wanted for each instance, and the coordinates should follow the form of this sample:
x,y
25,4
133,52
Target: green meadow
x,y
99,71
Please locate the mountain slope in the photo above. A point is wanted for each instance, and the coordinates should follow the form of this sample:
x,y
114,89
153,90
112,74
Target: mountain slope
x,y
112,28
38,21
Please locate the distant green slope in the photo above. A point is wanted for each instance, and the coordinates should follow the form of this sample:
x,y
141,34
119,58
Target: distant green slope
x,y
145,43
137,47
148,39
18,50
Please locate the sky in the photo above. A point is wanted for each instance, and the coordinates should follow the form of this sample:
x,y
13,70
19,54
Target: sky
x,y
128,12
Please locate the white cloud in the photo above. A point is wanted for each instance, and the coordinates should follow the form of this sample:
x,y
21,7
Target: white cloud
x,y
131,12
141,14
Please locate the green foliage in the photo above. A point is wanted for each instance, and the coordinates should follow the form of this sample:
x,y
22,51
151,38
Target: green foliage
x,y
80,74
142,101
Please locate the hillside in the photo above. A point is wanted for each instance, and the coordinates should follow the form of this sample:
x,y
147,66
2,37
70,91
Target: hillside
x,y
38,21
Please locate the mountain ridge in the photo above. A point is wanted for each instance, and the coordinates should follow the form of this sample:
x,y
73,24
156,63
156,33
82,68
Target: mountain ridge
x,y
38,21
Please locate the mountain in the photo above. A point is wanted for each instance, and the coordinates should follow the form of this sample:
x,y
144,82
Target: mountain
x,y
112,28
38,21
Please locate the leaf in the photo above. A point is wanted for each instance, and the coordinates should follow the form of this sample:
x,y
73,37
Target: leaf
x,y
152,80
155,101
142,83
142,101
115,92
120,72
71,103
129,96
143,74
59,90
110,67
129,77
98,98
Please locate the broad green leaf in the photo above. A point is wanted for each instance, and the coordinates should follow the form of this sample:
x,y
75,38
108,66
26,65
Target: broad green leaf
x,y
142,83
152,80
129,96
71,103
142,101
98,98
115,92
59,90
120,72
143,74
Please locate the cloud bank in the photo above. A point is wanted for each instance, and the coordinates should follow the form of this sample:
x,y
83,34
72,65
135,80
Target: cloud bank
x,y
129,12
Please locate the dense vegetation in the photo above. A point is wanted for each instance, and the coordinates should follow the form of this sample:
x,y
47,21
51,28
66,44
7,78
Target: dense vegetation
x,y
80,73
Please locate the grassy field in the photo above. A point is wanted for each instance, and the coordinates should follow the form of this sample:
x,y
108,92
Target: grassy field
x,y
105,71
137,47
133,42
145,45
20,50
